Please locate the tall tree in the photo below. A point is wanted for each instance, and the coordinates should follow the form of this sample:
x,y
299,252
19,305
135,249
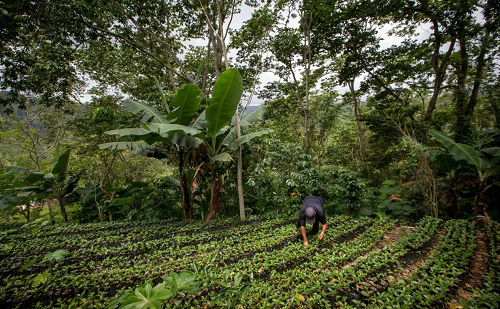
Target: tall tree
x,y
38,49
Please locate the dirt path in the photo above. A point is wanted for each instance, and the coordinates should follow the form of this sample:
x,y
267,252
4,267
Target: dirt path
x,y
476,271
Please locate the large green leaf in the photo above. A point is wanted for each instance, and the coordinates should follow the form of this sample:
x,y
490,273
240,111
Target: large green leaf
x,y
17,169
148,113
494,171
225,98
122,201
147,297
201,122
34,177
164,129
26,188
6,200
139,148
57,255
85,191
224,157
129,131
244,123
62,163
185,281
461,151
40,278
181,139
494,151
446,163
246,138
186,103
250,118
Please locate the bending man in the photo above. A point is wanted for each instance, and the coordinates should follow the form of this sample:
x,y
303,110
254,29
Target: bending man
x,y
313,213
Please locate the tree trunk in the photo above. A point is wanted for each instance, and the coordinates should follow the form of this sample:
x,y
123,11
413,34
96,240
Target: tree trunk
x,y
214,207
186,196
453,207
357,113
51,215
479,202
63,209
495,105
463,129
239,173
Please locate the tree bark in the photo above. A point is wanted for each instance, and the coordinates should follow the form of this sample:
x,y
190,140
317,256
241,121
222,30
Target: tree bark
x,y
463,130
51,215
479,74
357,113
495,105
186,196
453,207
63,209
479,202
439,74
241,199
214,207
308,59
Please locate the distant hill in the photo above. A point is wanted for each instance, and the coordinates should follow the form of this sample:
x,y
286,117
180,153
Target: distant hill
x,y
250,109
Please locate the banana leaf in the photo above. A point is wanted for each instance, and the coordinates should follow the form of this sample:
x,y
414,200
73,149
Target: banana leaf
x,y
16,169
129,131
62,163
461,151
148,113
244,123
246,138
224,157
186,103
225,98
201,122
494,151
165,129
34,177
184,140
139,148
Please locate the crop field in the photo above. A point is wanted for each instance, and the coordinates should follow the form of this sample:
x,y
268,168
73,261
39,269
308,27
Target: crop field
x,y
361,263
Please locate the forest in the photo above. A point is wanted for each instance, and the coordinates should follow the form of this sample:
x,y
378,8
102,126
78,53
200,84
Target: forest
x,y
155,154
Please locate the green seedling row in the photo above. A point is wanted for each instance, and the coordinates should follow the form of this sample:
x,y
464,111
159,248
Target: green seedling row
x,y
431,284
268,263
255,264
131,245
488,296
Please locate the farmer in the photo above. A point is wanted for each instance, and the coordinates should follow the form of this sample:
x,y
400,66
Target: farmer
x,y
313,213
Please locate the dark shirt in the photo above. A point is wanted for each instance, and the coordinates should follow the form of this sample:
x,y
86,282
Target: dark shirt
x,y
312,201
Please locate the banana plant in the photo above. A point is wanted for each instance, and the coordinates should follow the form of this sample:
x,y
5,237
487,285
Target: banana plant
x,y
175,129
58,184
219,137
484,168
211,129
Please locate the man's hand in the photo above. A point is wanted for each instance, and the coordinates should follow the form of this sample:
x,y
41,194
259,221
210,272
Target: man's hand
x,y
321,235
306,243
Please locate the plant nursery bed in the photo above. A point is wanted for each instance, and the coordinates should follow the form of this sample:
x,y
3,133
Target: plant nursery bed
x,y
259,263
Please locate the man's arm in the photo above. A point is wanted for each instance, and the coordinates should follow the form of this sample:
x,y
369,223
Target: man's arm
x,y
322,234
304,236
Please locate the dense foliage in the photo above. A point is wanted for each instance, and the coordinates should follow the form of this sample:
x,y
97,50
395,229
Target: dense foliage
x,y
357,87
119,114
